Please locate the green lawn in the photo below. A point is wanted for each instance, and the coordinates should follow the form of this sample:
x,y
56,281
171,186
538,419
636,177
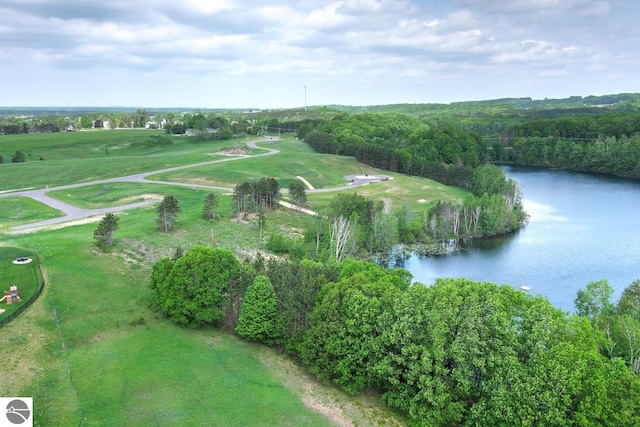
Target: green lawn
x,y
105,195
113,361
25,276
66,158
20,210
294,159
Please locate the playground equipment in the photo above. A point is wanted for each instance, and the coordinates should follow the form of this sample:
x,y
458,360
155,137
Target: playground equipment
x,y
11,295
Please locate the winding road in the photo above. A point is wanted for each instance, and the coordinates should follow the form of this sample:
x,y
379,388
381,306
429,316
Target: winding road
x,y
73,213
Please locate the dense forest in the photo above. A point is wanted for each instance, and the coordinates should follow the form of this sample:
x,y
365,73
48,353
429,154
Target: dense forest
x,y
446,142
453,353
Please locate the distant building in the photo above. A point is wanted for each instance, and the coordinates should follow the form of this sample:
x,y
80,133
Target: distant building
x,y
98,124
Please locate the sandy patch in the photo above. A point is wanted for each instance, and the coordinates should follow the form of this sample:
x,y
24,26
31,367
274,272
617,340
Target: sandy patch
x,y
343,410
143,197
422,201
328,409
232,152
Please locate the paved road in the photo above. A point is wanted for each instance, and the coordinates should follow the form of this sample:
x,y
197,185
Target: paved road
x,y
74,212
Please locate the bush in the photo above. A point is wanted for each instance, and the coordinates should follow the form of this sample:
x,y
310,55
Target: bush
x,y
18,157
279,244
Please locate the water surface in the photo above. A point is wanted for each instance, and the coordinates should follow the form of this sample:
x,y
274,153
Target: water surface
x,y
581,228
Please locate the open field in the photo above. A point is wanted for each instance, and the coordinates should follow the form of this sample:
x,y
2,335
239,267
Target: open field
x,y
91,155
20,210
91,351
295,159
111,361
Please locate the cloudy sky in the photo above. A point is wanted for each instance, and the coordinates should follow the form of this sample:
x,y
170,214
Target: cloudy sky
x,y
262,53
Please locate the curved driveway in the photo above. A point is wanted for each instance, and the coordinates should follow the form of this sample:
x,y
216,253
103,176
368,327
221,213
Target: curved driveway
x,y
74,212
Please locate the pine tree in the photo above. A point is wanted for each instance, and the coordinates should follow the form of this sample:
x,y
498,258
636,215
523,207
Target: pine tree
x,y
259,312
210,205
104,233
168,211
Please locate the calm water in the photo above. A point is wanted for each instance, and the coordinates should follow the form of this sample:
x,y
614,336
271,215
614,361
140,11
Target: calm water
x,y
581,228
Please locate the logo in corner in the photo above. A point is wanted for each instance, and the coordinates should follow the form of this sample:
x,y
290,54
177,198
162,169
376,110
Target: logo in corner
x,y
17,411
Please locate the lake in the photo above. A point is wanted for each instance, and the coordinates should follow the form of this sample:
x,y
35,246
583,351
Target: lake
x,y
581,228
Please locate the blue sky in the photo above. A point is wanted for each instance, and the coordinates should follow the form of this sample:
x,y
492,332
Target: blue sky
x,y
262,54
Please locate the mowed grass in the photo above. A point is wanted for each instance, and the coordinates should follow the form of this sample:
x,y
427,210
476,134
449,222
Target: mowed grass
x,y
295,159
25,276
111,194
70,157
20,210
162,375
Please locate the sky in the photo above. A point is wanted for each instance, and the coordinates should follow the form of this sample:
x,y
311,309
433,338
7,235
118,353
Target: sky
x,y
291,53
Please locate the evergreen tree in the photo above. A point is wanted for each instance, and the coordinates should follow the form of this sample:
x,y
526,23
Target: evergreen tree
x,y
297,193
18,157
104,233
210,205
259,312
168,211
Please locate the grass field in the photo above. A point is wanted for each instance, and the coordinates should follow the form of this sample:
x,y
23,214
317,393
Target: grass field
x,y
69,157
25,276
92,352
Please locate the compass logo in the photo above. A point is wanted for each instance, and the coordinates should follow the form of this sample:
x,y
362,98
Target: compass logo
x,y
16,411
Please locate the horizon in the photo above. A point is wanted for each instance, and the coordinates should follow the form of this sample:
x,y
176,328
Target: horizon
x,y
107,107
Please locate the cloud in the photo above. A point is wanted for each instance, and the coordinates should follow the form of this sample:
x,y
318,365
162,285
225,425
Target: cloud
x,y
538,7
343,41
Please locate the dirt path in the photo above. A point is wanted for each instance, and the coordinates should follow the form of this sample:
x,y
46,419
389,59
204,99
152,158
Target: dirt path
x,y
307,183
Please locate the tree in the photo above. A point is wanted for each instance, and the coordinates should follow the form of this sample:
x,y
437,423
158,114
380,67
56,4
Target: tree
x,y
630,300
104,233
210,205
593,302
140,119
86,122
192,290
259,312
18,157
262,220
168,211
298,193
627,326
304,130
343,232
242,196
343,339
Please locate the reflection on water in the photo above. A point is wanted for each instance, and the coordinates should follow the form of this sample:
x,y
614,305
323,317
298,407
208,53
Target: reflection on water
x,y
581,228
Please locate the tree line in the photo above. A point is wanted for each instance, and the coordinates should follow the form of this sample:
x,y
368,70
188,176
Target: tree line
x,y
606,154
403,144
454,353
